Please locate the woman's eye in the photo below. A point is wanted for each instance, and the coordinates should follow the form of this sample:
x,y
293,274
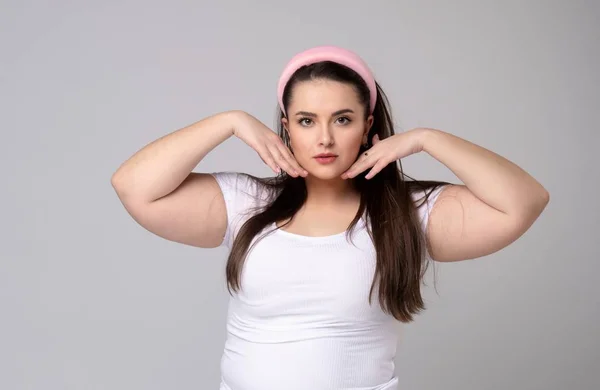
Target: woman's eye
x,y
307,121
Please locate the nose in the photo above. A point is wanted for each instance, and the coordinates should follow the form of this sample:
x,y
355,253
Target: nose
x,y
326,136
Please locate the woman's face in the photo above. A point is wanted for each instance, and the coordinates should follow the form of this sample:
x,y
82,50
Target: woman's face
x,y
326,116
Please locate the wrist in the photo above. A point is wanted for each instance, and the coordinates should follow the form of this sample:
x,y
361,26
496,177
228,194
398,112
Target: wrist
x,y
426,137
230,121
234,119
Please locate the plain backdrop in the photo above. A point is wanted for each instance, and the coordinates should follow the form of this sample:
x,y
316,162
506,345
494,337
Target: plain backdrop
x,y
91,300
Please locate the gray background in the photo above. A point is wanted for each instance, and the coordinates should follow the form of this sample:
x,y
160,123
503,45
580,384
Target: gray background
x,y
90,300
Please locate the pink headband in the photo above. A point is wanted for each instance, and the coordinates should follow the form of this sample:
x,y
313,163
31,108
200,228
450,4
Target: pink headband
x,y
328,53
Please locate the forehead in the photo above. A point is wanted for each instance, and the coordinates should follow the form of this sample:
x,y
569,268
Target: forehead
x,y
323,95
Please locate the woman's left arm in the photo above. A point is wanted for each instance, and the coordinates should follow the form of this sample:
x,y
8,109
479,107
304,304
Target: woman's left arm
x,y
498,202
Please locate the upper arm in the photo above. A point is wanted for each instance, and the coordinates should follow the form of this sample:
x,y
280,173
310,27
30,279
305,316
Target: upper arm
x,y
193,214
461,226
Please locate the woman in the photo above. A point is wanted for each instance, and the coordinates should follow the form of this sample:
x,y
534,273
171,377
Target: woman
x,y
337,226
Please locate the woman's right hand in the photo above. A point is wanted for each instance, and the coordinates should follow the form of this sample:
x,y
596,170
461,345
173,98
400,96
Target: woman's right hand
x,y
267,144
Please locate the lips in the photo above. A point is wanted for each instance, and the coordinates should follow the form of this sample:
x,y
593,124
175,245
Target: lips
x,y
323,155
325,158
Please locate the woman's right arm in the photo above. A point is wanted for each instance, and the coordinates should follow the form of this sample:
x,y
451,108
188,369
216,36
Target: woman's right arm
x,y
159,190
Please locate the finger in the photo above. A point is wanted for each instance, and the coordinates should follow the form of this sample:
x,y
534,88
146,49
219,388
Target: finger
x,y
376,169
285,152
359,166
281,161
376,139
268,159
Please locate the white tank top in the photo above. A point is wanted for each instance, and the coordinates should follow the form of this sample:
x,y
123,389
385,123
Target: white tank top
x,y
302,319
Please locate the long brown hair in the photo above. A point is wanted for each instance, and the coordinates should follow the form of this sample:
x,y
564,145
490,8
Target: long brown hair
x,y
394,226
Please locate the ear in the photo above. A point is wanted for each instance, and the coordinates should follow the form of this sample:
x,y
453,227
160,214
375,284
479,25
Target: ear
x,y
368,125
284,122
370,120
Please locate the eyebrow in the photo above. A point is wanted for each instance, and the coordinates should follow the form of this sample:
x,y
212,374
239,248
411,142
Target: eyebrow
x,y
338,112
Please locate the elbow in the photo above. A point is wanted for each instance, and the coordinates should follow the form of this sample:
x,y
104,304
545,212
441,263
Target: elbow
x,y
115,181
127,191
535,209
528,212
539,203
118,183
543,199
546,197
537,200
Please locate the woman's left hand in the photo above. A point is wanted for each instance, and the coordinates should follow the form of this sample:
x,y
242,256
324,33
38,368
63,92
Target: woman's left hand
x,y
384,152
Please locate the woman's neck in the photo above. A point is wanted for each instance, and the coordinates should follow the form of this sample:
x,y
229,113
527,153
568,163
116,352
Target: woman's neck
x,y
330,193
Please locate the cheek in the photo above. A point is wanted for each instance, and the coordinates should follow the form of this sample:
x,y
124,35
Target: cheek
x,y
352,150
298,142
349,158
352,144
299,147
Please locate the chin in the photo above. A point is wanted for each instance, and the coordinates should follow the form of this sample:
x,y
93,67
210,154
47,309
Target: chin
x,y
322,176
325,172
